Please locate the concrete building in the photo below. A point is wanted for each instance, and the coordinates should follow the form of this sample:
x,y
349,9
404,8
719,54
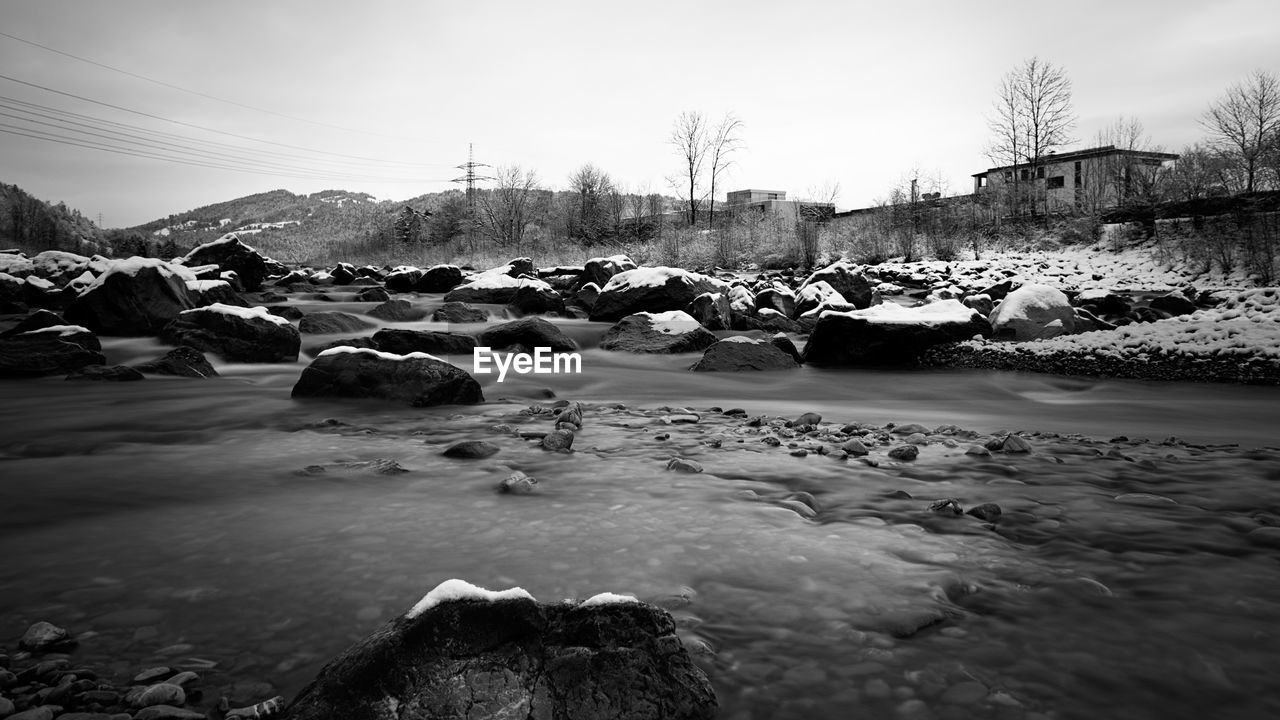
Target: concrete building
x,y
775,202
1090,180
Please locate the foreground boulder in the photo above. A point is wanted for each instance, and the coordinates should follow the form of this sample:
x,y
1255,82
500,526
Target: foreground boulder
x,y
1033,312
651,290
889,334
416,379
668,332
465,652
738,353
52,350
230,254
529,333
137,296
250,335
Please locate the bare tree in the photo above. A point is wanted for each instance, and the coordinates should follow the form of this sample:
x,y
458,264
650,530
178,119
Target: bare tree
x,y
589,220
1245,122
507,209
1197,174
1034,116
723,142
690,138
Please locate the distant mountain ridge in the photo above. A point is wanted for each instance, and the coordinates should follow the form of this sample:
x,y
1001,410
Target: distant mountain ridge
x,y
32,224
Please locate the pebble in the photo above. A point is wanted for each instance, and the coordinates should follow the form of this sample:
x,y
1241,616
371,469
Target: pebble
x,y
855,447
1145,500
684,466
905,452
153,674
470,449
988,512
1015,444
558,440
43,636
916,439
159,694
517,483
946,507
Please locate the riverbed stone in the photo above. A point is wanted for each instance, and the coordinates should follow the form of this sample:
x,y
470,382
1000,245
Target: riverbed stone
x,y
530,332
439,279
398,310
557,440
332,322
181,361
885,337
133,297
904,452
44,636
235,334
459,312
55,350
742,354
416,380
657,333
158,694
517,483
470,449
684,465
402,341
847,279
229,253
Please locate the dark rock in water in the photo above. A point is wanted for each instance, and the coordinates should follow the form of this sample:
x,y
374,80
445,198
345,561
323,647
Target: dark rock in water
x,y
288,312
12,294
343,273
998,291
809,418
738,354
661,333
112,373
54,350
987,512
329,323
373,294
180,361
517,483
651,290
783,343
682,465
398,310
470,449
414,379
208,292
237,334
845,278
459,312
946,507
905,452
158,694
712,310
1174,304
355,342
536,300
45,637
228,253
1107,303
403,279
587,295
504,655
778,298
599,270
1015,444
767,320
558,440
529,332
37,319
851,339
855,447
402,342
133,297
439,278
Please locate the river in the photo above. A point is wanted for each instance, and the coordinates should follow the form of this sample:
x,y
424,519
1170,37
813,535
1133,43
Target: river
x,y
173,521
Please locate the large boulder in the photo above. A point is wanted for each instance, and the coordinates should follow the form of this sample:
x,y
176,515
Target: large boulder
x,y
889,334
669,332
181,361
536,300
398,310
403,342
1033,312
497,288
712,310
651,290
738,353
331,322
847,279
12,294
230,254
459,312
599,270
208,292
1174,303
237,334
777,297
403,279
137,296
817,294
531,332
439,278
416,379
465,652
59,267
52,350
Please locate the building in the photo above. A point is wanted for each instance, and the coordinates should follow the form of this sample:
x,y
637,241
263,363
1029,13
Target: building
x,y
775,202
1089,180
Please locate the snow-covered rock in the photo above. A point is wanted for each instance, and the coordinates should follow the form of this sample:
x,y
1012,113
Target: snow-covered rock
x,y
136,296
845,278
494,287
230,254
815,294
528,333
890,334
237,334
655,289
668,332
416,379
738,353
712,310
439,278
1033,312
50,350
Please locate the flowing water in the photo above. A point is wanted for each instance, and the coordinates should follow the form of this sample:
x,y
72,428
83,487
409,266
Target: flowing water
x,y
174,521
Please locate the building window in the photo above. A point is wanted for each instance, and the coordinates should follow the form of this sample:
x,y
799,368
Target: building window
x,y
1040,173
1079,180
1008,176
1055,182
773,196
982,181
1025,174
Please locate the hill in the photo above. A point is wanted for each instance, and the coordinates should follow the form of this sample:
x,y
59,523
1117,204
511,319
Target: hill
x,y
33,225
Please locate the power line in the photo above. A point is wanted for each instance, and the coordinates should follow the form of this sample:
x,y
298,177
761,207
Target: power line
x,y
470,178
197,92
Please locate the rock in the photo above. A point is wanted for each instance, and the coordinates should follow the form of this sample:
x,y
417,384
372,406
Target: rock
x,y
402,279
987,512
778,298
470,449
768,320
661,333
817,294
981,304
1104,301
846,279
742,302
413,379
330,323
439,279
288,312
250,335
511,657
855,447
180,361
138,296
105,373
12,294
154,674
558,440
1015,444
598,271
889,334
905,452
168,712
738,354
998,291
977,451
1174,304
54,350
343,274
946,507
712,311
43,712
682,465
783,343
45,637
230,254
398,310
517,483
373,294
805,419
37,319
528,332
496,288
458,312
158,694
536,300
355,342
402,342
1033,312
651,290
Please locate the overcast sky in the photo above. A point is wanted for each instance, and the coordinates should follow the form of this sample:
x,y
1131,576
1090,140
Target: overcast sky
x,y
384,97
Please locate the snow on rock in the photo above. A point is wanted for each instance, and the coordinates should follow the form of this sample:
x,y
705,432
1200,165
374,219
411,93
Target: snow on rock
x,y
347,349
607,598
15,265
134,265
939,312
672,321
455,590
889,334
245,313
1033,312
494,287
651,290
58,264
61,330
673,331
136,296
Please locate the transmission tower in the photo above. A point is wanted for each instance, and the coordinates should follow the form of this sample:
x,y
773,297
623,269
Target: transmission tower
x,y
470,178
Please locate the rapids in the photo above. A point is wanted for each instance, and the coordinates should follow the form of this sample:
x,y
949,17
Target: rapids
x,y
174,522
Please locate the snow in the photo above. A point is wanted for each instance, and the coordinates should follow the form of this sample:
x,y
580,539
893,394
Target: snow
x,y
347,350
62,330
16,265
741,339
658,277
224,240
39,283
252,313
671,322
132,266
81,281
454,590
491,280
608,598
890,313
206,285
54,262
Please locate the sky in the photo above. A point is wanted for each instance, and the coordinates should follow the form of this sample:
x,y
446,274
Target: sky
x,y
387,97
